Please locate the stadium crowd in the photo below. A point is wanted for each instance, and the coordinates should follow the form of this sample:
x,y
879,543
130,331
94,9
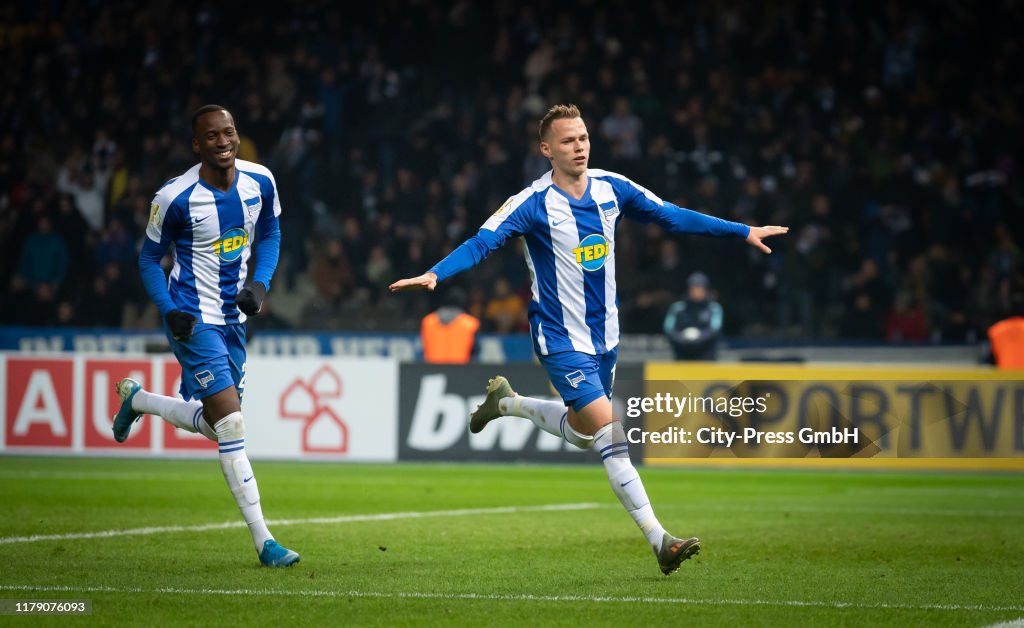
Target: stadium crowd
x,y
886,135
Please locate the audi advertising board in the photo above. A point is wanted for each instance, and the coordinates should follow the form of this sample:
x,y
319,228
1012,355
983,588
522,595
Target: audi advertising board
x,y
294,408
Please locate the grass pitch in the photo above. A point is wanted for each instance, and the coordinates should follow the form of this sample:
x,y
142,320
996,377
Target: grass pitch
x,y
469,545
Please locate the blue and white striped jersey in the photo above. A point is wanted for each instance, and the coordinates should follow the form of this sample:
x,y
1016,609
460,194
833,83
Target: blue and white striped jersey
x,y
570,252
212,233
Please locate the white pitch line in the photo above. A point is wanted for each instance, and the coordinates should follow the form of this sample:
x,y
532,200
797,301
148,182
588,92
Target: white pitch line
x,y
95,475
896,511
385,516
500,597
1013,623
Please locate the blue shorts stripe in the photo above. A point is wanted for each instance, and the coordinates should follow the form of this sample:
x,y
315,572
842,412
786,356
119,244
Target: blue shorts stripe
x,y
232,442
228,451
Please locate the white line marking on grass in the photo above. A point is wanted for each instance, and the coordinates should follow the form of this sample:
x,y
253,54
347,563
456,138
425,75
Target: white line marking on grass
x,y
499,597
384,516
97,475
868,510
171,476
1013,623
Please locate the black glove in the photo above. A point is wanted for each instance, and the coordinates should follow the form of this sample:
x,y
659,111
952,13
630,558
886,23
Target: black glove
x,y
250,298
181,325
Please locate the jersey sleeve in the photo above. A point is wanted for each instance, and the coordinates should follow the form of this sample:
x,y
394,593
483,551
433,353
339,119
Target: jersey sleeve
x,y
268,233
642,205
165,220
512,219
269,192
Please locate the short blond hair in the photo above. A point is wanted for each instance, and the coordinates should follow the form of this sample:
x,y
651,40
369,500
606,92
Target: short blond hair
x,y
558,112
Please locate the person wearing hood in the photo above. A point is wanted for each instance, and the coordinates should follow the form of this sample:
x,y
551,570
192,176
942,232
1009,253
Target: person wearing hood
x,y
449,333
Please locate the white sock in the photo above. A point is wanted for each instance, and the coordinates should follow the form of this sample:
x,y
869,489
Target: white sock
x,y
611,444
239,476
184,415
549,416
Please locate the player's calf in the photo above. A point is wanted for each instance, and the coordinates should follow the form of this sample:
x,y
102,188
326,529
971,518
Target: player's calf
x,y
136,401
625,481
549,416
238,474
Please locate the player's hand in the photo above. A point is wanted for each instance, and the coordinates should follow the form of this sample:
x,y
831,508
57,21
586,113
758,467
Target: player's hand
x,y
426,280
181,325
250,298
760,233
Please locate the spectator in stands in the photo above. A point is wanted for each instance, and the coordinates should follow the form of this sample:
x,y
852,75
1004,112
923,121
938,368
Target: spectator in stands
x,y
906,322
87,184
69,223
107,297
505,312
379,269
865,294
40,274
770,115
655,288
622,131
332,273
114,245
693,324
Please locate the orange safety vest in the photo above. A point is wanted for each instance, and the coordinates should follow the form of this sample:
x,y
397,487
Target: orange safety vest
x,y
451,343
1007,338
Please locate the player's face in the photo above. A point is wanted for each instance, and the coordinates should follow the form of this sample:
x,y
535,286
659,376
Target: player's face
x,y
216,140
567,145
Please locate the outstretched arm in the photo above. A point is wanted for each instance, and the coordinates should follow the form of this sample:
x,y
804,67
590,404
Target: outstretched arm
x,y
643,206
512,219
467,255
680,220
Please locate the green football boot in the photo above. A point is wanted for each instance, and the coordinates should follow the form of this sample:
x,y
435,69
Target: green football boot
x,y
497,389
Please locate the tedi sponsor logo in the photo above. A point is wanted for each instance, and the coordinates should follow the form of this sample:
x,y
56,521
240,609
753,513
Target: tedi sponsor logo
x,y
231,244
592,252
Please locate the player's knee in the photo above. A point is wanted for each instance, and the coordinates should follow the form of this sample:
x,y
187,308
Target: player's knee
x,y
618,432
613,443
573,437
611,433
230,427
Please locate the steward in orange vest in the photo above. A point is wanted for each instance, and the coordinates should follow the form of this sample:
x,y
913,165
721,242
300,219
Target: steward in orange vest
x,y
1007,338
448,336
